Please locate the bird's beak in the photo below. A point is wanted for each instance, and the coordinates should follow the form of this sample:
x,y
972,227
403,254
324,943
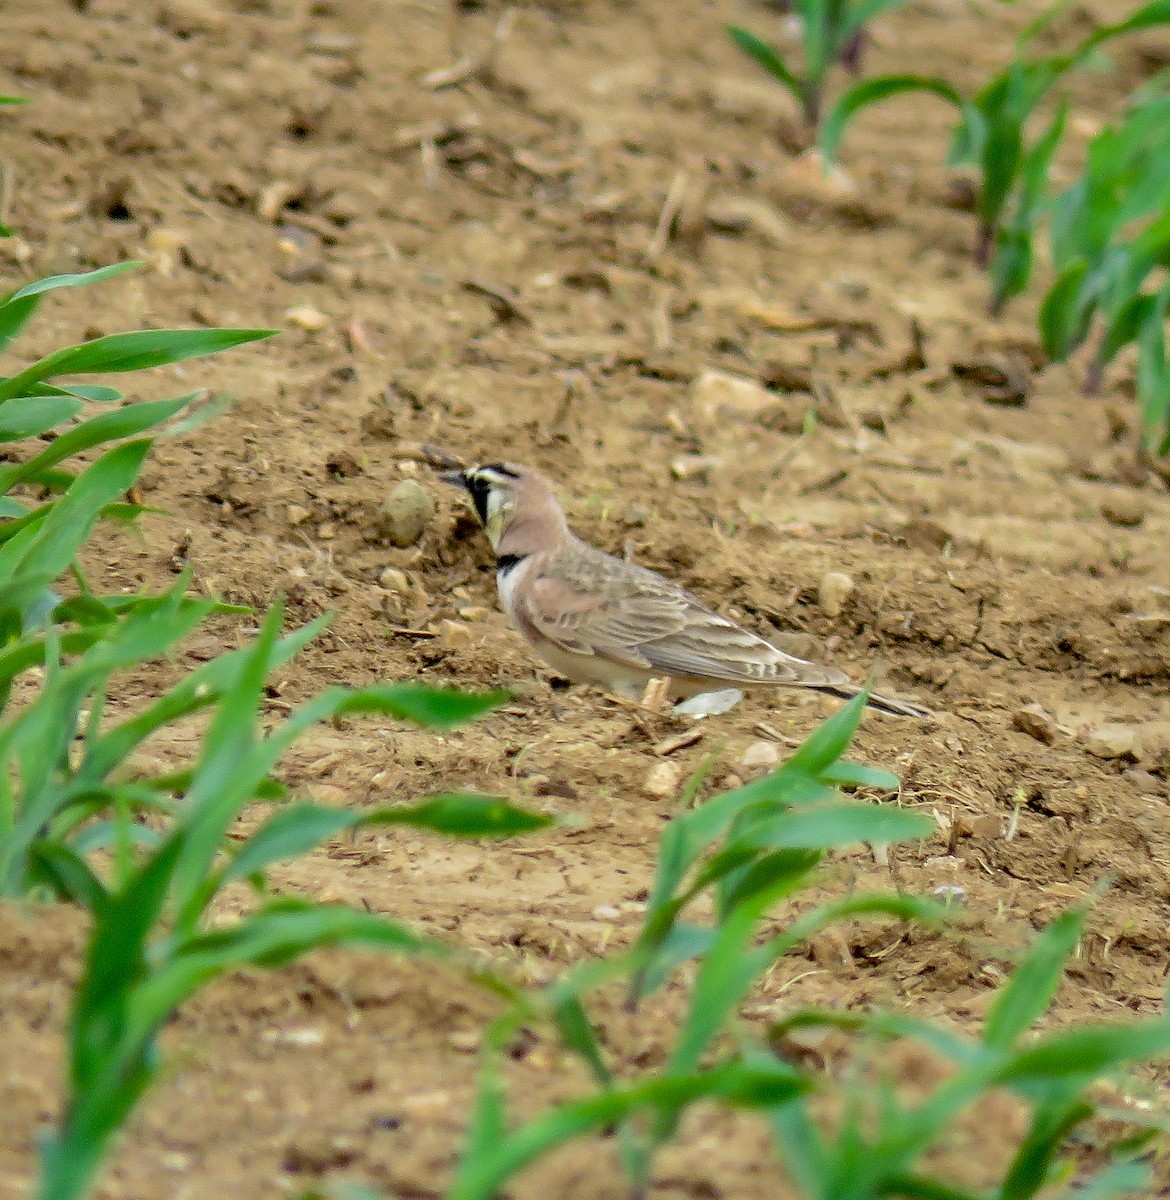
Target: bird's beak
x,y
455,478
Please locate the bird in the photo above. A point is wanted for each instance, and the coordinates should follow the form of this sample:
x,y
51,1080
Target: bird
x,y
604,621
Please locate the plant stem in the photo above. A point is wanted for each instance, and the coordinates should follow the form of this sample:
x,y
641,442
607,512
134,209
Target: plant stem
x,y
1094,378
984,244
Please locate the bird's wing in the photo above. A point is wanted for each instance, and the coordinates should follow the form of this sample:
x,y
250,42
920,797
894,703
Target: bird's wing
x,y
589,603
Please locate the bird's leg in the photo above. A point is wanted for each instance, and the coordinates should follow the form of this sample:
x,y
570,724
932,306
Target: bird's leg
x,y
657,695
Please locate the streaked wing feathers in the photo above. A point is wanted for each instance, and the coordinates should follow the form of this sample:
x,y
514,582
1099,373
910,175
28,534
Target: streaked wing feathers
x,y
587,602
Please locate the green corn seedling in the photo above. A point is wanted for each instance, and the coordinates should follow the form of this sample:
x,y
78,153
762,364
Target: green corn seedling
x,y
1109,234
876,1146
749,850
47,508
151,947
995,137
1153,377
832,33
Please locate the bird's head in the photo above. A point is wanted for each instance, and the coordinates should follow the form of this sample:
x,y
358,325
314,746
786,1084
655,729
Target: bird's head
x,y
511,501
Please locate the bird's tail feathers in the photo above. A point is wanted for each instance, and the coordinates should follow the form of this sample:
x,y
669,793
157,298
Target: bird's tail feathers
x,y
895,708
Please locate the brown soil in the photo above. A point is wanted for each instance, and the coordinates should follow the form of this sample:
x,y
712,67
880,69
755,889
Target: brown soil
x,y
270,156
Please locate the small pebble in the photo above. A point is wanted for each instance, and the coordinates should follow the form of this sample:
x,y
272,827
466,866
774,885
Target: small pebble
x,y
297,514
405,513
716,390
739,214
607,912
164,247
988,826
1114,741
1128,512
304,316
1035,722
807,171
662,782
834,589
453,633
693,466
760,755
394,580
1145,781
475,612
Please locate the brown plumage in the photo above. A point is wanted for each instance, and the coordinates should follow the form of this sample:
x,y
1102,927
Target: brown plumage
x,y
605,621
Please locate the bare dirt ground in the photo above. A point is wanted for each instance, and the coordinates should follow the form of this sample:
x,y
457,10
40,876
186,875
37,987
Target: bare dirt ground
x,y
288,163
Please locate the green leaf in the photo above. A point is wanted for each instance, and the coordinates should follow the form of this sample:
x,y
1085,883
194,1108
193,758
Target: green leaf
x,y
864,11
837,825
767,57
52,282
16,314
1064,317
226,773
294,830
855,775
432,708
456,814
130,352
55,865
577,1034
67,525
778,873
1087,1052
1147,17
831,739
1051,1124
883,87
1030,990
1011,268
726,972
108,427
1117,1179
19,306
84,391
490,1162
269,937
29,416
108,1070
1153,378
201,688
1125,327
299,828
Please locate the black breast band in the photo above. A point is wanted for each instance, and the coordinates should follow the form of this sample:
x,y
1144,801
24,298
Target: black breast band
x,y
508,562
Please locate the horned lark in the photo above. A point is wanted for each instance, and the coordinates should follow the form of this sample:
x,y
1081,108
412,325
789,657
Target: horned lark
x,y
603,621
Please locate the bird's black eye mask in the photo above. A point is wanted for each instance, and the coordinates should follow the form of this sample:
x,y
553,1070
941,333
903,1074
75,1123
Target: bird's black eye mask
x,y
478,483
479,489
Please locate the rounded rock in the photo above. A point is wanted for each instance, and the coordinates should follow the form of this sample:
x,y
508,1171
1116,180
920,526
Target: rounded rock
x,y
405,514
1126,512
662,782
760,755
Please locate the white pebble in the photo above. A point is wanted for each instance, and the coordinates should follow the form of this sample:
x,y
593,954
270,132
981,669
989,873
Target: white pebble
x,y
835,588
759,755
662,782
